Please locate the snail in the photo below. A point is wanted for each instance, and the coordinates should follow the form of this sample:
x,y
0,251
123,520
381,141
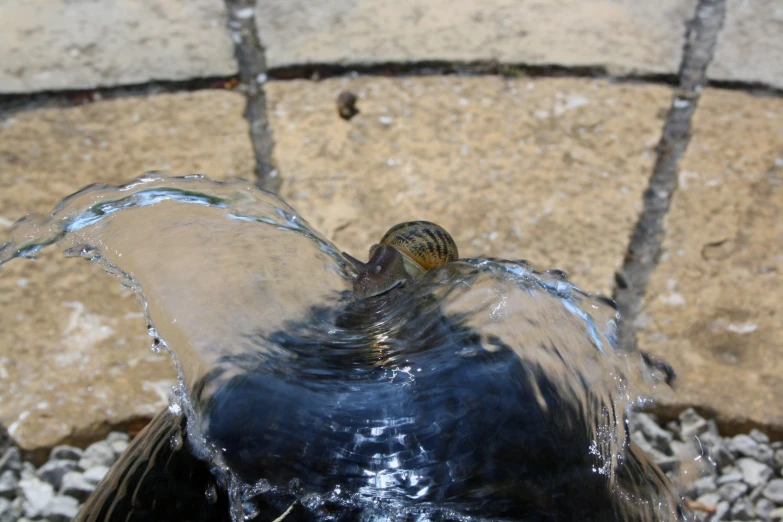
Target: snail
x,y
406,251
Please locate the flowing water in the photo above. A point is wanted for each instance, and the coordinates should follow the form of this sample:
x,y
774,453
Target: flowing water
x,y
482,390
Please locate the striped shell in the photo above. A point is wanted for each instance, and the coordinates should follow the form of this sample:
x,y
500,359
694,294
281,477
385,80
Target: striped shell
x,y
426,243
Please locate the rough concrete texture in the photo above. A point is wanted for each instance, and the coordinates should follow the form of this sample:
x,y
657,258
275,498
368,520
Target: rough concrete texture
x,y
713,307
622,35
550,170
75,357
750,47
62,44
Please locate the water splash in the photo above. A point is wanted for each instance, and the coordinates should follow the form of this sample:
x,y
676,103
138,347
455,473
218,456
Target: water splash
x,y
483,389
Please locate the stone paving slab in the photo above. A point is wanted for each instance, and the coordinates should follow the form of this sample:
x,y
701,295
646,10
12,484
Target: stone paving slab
x,y
623,35
75,357
550,170
750,47
62,44
714,307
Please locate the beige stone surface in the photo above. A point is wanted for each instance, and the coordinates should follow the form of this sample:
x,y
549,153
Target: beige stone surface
x,y
622,35
551,171
714,306
75,357
65,44
750,47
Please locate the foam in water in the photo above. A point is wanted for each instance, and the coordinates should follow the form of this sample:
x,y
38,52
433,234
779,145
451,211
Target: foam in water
x,y
483,390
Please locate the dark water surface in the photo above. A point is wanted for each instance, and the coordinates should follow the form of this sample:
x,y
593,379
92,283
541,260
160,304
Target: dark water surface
x,y
483,390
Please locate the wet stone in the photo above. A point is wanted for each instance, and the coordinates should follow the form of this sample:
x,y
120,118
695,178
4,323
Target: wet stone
x,y
75,485
774,491
731,491
8,484
777,460
65,452
54,470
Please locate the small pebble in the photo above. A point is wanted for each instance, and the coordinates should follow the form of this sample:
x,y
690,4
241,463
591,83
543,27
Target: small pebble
x,y
742,510
776,514
764,508
98,454
75,485
54,470
61,509
759,436
691,424
66,453
721,510
774,491
37,494
95,474
732,491
11,459
8,484
9,511
656,436
754,473
731,476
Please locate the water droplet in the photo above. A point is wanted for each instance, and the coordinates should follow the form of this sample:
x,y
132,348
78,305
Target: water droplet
x,y
211,493
176,441
249,510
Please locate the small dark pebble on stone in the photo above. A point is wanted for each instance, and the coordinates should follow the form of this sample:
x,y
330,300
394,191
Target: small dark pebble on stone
x,y
346,105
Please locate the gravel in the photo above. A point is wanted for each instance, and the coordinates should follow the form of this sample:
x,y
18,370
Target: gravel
x,y
723,478
55,491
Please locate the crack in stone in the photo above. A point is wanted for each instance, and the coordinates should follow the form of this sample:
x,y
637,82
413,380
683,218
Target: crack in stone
x,y
250,55
19,102
644,249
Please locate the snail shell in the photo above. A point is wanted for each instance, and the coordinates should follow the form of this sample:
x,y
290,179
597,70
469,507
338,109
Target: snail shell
x,y
406,251
426,244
